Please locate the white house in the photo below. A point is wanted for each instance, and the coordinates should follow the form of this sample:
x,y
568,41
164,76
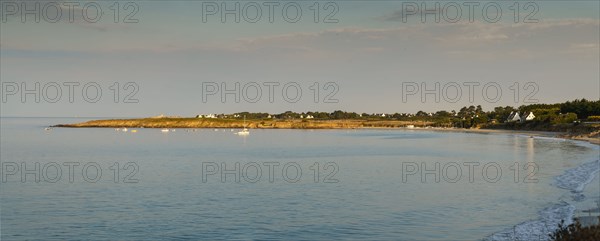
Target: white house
x,y
514,116
207,116
309,117
529,117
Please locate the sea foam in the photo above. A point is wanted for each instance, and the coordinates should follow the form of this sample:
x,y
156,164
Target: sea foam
x,y
539,229
575,180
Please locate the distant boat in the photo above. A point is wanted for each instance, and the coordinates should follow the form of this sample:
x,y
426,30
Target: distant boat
x,y
133,131
164,130
410,126
48,128
124,129
245,131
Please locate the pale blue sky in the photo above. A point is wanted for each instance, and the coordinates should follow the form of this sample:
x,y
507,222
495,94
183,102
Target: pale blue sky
x,y
369,53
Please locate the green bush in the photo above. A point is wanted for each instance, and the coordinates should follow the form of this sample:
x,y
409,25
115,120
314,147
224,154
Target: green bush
x,y
594,118
565,118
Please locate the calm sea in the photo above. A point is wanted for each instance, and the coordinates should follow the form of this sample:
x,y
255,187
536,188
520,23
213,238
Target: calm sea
x,y
208,184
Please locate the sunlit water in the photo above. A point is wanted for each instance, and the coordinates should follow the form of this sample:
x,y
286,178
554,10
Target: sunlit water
x,y
357,190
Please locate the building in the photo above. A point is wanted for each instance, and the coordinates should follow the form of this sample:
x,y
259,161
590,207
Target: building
x,y
528,117
207,116
513,117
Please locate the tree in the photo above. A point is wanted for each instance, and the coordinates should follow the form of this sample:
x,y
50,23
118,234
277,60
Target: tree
x,y
421,113
443,113
583,108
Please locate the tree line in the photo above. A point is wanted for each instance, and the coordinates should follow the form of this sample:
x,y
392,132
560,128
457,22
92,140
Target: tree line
x,y
468,116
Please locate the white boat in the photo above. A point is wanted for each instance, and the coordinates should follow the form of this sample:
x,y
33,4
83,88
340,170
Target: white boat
x,y
245,131
165,130
410,126
124,129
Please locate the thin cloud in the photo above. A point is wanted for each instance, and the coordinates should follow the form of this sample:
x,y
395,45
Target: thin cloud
x,y
479,39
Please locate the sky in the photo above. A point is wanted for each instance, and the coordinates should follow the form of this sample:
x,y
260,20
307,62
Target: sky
x,y
180,58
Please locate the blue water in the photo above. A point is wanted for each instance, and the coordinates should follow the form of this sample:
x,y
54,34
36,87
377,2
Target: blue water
x,y
165,188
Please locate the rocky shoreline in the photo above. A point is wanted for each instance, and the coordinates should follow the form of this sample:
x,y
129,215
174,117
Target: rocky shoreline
x,y
168,122
236,123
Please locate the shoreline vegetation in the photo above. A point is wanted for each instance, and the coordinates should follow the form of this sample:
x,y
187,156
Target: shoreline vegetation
x,y
585,132
182,122
578,119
